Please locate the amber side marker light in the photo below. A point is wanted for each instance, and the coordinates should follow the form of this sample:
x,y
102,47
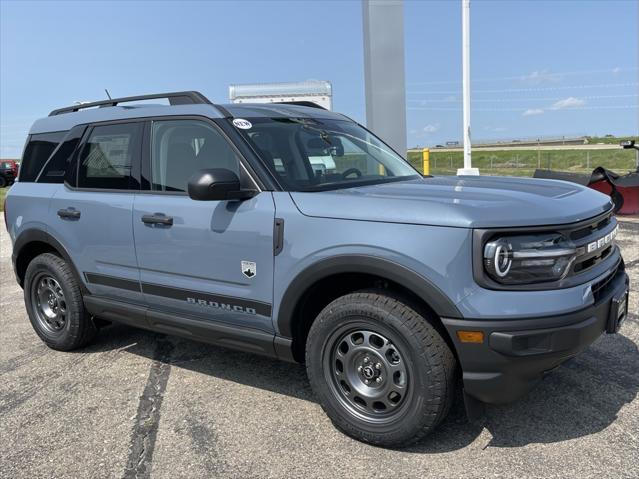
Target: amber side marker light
x,y
470,336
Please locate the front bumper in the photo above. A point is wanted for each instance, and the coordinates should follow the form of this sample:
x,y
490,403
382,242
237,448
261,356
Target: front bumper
x,y
515,354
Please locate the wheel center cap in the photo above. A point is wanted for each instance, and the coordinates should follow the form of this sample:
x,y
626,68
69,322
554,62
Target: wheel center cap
x,y
368,372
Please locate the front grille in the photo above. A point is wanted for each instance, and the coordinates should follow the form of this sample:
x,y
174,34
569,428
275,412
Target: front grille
x,y
592,261
584,235
590,229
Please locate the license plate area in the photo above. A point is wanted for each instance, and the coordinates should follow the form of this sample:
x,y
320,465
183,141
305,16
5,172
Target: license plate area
x,y
618,312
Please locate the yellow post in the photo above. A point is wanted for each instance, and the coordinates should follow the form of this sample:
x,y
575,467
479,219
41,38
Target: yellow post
x,y
426,161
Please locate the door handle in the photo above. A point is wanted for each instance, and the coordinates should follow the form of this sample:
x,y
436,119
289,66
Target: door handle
x,y
157,219
69,213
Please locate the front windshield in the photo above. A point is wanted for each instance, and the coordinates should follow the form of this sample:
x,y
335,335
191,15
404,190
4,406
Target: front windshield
x,y
315,154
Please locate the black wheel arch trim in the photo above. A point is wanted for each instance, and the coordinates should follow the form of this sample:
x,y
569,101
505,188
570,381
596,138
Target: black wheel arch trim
x,y
373,265
32,235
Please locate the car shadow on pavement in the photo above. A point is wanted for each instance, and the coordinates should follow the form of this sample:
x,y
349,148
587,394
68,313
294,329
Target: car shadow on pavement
x,y
580,398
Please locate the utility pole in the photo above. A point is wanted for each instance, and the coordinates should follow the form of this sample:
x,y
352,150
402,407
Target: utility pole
x,y
467,169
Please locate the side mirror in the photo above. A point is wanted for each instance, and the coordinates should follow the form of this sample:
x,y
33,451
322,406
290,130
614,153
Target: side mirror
x,y
217,184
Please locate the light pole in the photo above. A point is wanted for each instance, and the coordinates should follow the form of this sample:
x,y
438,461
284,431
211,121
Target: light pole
x,y
467,169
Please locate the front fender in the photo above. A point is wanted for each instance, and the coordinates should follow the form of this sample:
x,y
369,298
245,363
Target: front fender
x,y
409,279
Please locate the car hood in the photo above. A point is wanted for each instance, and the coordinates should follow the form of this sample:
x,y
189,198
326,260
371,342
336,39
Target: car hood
x,y
459,201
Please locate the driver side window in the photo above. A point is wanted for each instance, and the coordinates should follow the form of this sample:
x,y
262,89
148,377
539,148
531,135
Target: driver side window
x,y
182,147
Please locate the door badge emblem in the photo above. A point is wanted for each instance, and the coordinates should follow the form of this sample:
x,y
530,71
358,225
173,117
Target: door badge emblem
x,y
249,269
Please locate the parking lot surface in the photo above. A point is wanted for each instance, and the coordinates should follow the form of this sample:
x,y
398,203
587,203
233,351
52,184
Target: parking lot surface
x,y
138,404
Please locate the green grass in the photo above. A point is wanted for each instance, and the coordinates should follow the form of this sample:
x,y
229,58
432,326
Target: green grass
x,y
524,162
613,140
3,193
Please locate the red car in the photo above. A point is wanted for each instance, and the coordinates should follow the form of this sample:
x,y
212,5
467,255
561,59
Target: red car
x,y
10,164
8,172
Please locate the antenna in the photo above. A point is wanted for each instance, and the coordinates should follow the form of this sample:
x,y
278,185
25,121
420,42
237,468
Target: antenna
x,y
107,92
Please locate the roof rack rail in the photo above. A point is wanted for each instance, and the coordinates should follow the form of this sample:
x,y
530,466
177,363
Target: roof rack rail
x,y
175,98
310,104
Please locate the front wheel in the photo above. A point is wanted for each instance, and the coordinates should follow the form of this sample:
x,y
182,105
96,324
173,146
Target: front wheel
x,y
381,371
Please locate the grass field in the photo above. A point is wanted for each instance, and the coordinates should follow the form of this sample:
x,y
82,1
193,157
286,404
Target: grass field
x,y
3,193
611,140
524,162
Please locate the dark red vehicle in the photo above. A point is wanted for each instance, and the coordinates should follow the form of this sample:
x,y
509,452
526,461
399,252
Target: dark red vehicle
x,y
10,164
8,172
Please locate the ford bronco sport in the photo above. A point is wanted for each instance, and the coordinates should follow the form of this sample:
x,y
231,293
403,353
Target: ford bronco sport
x,y
293,232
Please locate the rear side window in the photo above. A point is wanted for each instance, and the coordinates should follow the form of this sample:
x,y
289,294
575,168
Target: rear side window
x,y
55,169
37,152
108,155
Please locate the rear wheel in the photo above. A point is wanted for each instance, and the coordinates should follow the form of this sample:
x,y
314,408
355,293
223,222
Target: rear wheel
x,y
3,182
381,371
54,304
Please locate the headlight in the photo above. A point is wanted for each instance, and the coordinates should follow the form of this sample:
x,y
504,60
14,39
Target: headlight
x,y
528,259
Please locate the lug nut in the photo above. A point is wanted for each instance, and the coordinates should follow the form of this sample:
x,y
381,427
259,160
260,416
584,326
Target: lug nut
x,y
378,366
366,360
366,381
359,369
379,379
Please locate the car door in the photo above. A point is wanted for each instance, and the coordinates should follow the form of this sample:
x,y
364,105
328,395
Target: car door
x,y
212,260
91,214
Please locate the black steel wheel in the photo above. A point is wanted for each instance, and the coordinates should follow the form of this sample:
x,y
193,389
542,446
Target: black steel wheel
x,y
53,299
367,374
380,370
50,306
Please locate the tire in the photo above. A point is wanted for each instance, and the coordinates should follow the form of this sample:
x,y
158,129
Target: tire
x,y
54,304
3,182
415,367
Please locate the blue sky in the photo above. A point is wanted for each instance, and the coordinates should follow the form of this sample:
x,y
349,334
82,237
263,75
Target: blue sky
x,y
539,68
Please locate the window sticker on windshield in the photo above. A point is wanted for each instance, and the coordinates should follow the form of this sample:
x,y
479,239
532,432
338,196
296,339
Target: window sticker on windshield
x,y
242,124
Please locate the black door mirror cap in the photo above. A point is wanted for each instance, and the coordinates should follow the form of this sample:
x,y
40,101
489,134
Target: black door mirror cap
x,y
217,184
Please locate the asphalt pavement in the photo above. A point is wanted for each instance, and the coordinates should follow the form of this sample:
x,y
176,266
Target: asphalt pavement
x,y
139,404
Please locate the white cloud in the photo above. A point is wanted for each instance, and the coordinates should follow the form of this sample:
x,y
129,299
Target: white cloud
x,y
533,111
541,76
570,102
431,128
616,70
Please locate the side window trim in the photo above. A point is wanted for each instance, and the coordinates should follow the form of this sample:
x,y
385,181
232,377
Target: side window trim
x,y
147,152
135,161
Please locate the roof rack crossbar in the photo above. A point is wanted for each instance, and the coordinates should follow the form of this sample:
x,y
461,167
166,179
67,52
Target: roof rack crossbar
x,y
175,98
